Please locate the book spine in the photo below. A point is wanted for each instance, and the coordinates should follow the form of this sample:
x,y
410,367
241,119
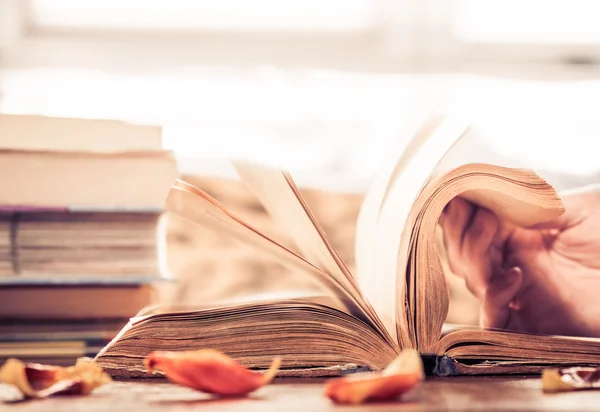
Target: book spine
x,y
436,365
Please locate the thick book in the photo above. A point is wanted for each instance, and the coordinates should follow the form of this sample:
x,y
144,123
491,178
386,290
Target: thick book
x,y
52,162
398,298
117,244
84,301
85,180
57,322
45,133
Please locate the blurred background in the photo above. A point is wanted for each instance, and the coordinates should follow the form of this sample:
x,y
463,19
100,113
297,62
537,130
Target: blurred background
x,y
322,88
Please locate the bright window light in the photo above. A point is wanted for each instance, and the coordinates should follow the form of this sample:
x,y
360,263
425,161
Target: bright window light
x,y
324,124
334,15
528,21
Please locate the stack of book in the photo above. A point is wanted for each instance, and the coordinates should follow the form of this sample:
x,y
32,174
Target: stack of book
x,y
80,239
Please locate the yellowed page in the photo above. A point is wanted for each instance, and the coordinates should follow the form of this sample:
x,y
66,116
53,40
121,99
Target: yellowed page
x,y
390,257
278,193
366,227
271,187
198,207
519,196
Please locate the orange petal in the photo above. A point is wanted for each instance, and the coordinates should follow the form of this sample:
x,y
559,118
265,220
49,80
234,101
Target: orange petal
x,y
210,371
400,376
35,380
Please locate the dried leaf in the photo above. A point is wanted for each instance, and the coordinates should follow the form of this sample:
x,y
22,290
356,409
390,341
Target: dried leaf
x,y
35,380
570,379
210,371
400,376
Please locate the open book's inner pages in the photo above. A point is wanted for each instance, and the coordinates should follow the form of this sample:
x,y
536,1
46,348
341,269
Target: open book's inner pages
x,y
388,274
485,351
517,196
282,199
366,226
199,208
306,333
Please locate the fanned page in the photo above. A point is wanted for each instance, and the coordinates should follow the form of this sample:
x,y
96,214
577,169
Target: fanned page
x,y
281,198
312,337
200,208
366,226
366,223
388,272
517,196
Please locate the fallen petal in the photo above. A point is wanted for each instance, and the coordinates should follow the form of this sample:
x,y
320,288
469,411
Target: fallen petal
x,y
35,380
402,375
210,371
570,379
408,362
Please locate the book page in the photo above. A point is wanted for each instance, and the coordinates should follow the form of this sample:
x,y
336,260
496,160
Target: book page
x,y
485,344
390,257
281,198
519,196
366,225
198,207
272,188
308,333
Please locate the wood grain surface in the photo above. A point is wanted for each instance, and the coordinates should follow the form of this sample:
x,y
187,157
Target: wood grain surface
x,y
448,394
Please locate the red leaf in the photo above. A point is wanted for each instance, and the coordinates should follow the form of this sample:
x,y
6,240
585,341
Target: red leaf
x,y
35,380
400,376
210,371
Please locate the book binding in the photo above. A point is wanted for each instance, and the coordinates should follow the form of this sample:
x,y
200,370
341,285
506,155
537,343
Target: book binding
x,y
440,366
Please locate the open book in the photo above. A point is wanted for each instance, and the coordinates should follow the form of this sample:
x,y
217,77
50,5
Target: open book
x,y
398,297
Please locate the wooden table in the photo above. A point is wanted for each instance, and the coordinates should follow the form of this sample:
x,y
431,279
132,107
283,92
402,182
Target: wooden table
x,y
452,394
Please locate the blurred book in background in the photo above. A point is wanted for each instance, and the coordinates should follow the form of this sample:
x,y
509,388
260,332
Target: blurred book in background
x,y
80,218
98,244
